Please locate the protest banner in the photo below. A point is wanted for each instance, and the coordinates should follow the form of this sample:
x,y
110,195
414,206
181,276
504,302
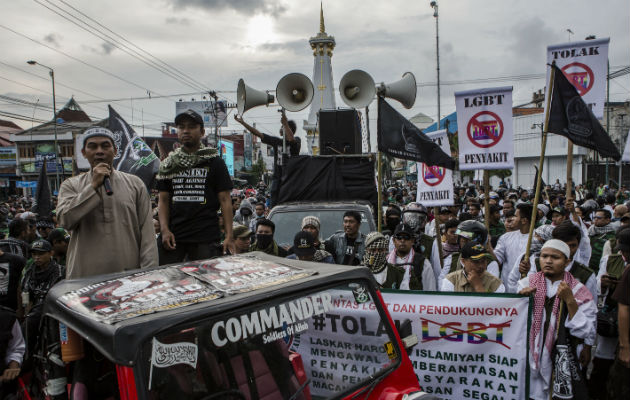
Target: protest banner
x,y
435,184
470,345
484,118
585,64
348,344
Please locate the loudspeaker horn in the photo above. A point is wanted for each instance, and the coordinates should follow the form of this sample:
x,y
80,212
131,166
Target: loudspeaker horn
x,y
403,90
357,89
247,97
294,92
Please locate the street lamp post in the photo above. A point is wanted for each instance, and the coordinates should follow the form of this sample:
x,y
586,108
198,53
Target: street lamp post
x,y
57,161
437,55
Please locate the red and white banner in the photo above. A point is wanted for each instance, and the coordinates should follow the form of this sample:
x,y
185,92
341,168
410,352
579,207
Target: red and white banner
x,y
470,345
435,184
484,120
585,64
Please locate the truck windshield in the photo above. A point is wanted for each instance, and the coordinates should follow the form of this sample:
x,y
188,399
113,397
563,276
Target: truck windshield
x,y
317,345
288,223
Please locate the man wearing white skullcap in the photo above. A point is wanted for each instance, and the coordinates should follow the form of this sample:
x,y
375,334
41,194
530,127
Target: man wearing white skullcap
x,y
551,286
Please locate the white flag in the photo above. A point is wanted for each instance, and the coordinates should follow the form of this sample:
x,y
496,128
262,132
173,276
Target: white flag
x,y
165,355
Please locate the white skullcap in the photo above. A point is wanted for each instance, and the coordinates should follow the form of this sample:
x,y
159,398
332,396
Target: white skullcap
x,y
558,245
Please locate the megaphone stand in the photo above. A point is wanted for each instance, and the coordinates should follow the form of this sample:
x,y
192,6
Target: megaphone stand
x,y
367,126
379,184
284,135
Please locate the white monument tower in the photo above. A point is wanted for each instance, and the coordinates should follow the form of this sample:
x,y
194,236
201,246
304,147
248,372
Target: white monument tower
x,y
324,98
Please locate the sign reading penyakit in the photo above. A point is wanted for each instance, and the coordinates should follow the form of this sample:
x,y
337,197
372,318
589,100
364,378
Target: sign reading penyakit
x,y
435,183
484,120
470,345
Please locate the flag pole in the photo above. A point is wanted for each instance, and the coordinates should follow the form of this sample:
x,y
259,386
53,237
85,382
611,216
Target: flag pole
x,y
486,204
379,188
569,169
532,223
553,371
438,235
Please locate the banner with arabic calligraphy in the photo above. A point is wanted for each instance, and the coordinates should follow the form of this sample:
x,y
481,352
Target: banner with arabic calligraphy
x,y
469,345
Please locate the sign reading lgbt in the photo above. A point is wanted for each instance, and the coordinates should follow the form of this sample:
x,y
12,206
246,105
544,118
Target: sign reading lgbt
x,y
470,345
435,184
585,64
484,119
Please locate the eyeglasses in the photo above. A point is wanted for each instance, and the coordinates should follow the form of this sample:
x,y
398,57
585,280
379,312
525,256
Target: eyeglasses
x,y
402,237
598,217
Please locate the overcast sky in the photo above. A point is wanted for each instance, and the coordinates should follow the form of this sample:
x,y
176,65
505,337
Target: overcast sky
x,y
216,42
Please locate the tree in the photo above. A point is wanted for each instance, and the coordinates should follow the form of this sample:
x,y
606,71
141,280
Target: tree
x,y
258,170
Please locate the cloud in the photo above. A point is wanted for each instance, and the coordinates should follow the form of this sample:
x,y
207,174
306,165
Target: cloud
x,y
246,7
104,49
530,39
177,21
53,39
294,46
107,48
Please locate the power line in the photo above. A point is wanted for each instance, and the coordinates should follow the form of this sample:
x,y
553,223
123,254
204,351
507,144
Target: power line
x,y
117,101
113,42
137,47
78,59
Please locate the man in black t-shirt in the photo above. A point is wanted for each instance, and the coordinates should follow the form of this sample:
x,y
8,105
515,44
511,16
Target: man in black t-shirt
x,y
193,183
293,145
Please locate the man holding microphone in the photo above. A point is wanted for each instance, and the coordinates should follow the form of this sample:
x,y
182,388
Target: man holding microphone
x,y
108,213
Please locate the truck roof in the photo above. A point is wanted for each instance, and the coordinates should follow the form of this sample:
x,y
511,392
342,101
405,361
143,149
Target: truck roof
x,y
119,312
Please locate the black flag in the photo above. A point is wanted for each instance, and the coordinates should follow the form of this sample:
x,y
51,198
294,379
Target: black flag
x,y
133,156
542,181
570,117
401,139
43,202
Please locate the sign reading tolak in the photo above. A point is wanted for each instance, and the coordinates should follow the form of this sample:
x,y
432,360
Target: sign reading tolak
x,y
585,64
484,120
435,184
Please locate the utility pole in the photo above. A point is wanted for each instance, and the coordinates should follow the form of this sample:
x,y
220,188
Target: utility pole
x,y
434,5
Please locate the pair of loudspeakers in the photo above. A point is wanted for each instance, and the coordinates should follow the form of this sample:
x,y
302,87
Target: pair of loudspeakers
x,y
340,130
294,92
357,89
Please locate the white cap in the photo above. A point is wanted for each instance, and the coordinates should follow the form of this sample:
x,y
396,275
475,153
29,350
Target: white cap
x,y
558,245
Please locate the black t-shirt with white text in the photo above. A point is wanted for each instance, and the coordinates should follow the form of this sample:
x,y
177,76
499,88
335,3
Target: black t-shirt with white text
x,y
194,201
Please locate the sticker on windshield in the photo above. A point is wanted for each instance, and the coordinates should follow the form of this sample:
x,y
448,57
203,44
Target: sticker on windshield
x,y
165,355
390,350
360,293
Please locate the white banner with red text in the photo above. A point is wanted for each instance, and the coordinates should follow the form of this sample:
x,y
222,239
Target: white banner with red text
x,y
470,345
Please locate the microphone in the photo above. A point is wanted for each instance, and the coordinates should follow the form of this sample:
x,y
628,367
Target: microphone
x,y
107,186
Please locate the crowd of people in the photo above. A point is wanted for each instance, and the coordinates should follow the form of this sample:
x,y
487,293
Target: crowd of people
x,y
577,257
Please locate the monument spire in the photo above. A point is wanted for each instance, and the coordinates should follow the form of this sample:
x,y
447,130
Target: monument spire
x,y
322,27
324,98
